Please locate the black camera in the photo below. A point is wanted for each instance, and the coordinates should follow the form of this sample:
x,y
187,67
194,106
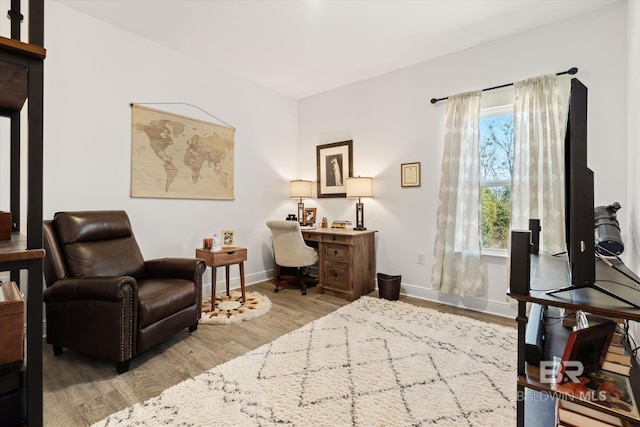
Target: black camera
x,y
607,230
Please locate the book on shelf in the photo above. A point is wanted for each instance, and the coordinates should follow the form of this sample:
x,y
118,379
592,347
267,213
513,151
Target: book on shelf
x,y
619,358
617,349
571,413
616,339
616,367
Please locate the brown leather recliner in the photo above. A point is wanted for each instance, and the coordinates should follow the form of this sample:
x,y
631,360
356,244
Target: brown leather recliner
x,y
103,298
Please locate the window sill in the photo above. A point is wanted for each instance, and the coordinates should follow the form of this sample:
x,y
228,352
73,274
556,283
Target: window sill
x,y
497,253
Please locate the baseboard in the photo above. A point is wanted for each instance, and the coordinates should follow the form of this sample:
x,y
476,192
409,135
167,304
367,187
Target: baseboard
x,y
498,308
502,309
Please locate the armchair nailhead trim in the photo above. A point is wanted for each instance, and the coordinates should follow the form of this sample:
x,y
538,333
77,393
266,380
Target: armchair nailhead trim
x,y
126,300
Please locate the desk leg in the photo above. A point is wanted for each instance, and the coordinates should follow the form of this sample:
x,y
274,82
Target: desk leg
x,y
242,281
213,287
226,273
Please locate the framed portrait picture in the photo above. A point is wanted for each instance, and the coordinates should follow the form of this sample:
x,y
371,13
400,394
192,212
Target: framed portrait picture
x,y
228,238
310,216
334,166
410,174
588,346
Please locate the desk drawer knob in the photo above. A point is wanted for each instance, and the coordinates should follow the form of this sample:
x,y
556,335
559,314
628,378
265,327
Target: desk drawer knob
x,y
335,252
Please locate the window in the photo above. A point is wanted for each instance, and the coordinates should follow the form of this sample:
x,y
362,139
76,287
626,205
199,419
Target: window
x,y
496,164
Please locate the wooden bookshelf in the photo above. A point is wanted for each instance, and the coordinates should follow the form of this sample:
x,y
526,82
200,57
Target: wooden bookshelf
x,y
22,79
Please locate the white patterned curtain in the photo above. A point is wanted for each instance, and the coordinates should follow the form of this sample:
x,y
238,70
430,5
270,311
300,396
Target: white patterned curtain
x,y
457,264
539,124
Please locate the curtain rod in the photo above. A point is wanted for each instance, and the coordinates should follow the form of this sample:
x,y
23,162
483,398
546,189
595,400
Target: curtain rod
x,y
570,71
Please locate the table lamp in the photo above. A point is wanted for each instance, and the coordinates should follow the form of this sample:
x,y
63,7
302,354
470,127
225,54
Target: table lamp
x,y
359,187
299,189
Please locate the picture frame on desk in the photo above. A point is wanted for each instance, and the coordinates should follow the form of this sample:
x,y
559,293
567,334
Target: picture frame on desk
x,y
228,239
334,164
310,216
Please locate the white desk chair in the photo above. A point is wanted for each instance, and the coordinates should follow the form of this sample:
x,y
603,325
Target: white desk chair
x,y
291,251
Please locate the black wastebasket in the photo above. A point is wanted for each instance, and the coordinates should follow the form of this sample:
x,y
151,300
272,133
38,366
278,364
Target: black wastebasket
x,y
389,286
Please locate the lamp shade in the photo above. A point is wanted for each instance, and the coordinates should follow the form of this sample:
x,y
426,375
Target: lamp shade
x,y
359,187
300,188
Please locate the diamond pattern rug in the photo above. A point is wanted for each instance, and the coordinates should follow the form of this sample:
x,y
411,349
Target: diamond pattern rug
x,y
373,362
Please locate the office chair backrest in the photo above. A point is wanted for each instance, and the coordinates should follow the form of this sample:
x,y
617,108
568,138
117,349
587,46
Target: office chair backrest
x,y
289,246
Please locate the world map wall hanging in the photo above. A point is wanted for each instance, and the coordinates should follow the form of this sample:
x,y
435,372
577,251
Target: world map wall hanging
x,y
177,157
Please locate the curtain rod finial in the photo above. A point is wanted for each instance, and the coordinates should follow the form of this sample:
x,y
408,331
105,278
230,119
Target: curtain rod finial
x,y
573,70
433,100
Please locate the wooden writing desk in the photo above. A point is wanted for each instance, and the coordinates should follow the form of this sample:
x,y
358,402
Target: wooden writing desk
x,y
347,261
224,258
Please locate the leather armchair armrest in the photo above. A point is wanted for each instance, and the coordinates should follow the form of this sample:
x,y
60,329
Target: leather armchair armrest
x,y
183,268
91,288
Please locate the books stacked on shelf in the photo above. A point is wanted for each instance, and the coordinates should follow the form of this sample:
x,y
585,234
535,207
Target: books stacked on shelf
x,y
342,224
616,360
605,383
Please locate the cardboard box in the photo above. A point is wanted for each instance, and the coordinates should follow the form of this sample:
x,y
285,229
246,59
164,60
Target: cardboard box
x,y
5,225
11,324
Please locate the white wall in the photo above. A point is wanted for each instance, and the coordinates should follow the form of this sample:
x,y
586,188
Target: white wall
x,y
391,121
632,245
93,71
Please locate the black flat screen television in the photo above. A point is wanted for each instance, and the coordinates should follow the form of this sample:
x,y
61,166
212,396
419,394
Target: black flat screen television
x,y
579,203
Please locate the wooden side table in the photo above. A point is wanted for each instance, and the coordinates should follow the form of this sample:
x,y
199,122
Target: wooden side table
x,y
224,258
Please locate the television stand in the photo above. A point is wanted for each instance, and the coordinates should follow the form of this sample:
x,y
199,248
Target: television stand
x,y
597,288
549,273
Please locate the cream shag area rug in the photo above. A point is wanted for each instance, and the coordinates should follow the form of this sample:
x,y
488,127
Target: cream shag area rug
x,y
231,309
371,363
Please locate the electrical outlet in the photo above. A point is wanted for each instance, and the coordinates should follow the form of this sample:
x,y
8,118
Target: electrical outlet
x,y
420,258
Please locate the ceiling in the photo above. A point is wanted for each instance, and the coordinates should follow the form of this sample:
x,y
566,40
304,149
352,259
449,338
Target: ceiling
x,y
304,47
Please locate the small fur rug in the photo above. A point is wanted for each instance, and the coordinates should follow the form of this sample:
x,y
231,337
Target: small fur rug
x,y
231,309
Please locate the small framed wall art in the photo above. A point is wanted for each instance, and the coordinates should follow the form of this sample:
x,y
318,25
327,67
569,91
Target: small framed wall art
x,y
334,166
228,238
410,174
310,216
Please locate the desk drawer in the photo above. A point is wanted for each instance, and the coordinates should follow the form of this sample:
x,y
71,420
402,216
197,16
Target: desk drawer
x,y
336,276
221,258
338,253
311,237
337,238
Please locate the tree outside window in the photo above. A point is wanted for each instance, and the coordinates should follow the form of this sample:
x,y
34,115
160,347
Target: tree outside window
x,y
496,165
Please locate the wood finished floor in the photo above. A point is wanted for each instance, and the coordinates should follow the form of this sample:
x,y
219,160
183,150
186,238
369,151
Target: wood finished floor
x,y
80,390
